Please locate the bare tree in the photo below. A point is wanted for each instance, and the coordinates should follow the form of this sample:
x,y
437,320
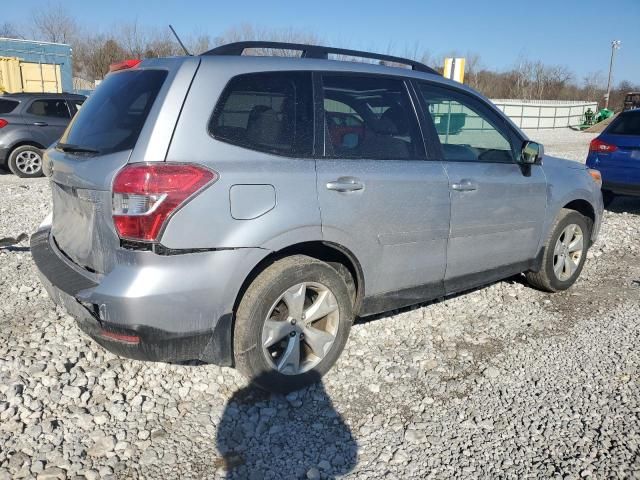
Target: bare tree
x,y
134,39
94,54
54,24
9,30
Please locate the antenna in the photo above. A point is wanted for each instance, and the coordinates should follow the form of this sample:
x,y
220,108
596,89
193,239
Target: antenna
x,y
180,41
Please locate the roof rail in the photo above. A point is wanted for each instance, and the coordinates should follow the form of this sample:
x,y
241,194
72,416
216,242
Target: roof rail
x,y
315,51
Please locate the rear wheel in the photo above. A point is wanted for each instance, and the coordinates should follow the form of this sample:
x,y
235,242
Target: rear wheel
x,y
26,161
564,254
292,324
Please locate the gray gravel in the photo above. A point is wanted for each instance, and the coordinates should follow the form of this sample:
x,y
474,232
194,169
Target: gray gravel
x,y
504,381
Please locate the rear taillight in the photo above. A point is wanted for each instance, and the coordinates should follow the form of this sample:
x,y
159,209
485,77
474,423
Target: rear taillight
x,y
3,123
599,146
124,65
146,195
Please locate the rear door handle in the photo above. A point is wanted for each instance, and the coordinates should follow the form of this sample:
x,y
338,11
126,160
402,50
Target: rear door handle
x,y
345,184
40,124
464,186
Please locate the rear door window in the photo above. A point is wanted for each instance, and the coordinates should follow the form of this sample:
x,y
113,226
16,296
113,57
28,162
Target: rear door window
x,y
7,106
49,108
112,118
270,112
369,117
626,124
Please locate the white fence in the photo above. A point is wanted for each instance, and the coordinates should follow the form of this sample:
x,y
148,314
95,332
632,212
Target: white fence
x,y
539,114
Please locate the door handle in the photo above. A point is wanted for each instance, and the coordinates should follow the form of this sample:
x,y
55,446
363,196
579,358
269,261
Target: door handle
x,y
345,184
40,124
464,186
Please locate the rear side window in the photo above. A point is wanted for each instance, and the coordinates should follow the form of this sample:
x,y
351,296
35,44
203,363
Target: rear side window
x,y
626,124
7,106
112,118
49,108
271,112
370,118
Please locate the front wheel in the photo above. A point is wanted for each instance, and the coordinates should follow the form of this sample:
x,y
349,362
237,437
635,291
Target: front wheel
x,y
564,254
292,324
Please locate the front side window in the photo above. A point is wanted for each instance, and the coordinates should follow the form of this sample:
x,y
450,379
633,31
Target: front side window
x,y
369,117
467,133
49,108
269,111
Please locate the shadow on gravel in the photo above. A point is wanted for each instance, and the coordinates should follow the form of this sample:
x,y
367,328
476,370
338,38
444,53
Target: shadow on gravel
x,y
264,435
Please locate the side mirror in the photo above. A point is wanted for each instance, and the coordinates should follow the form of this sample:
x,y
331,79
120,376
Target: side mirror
x,y
532,153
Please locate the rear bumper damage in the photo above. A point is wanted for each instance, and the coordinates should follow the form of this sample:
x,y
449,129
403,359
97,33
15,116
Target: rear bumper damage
x,y
128,318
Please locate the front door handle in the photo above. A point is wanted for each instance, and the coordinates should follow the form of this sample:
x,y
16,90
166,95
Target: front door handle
x,y
345,184
40,124
464,186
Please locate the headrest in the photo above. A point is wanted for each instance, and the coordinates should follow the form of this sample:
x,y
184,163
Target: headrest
x,y
263,126
394,121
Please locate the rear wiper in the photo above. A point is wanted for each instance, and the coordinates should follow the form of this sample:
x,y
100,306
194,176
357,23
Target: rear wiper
x,y
67,147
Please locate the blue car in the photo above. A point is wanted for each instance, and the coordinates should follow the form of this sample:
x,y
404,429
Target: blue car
x,y
616,154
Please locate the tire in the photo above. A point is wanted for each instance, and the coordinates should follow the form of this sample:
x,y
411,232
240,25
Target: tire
x,y
549,278
608,197
26,162
265,352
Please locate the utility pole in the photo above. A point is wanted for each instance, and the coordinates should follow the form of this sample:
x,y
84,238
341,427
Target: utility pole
x,y
615,45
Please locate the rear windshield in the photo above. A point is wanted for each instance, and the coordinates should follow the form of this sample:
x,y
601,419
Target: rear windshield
x,y
626,124
111,119
7,106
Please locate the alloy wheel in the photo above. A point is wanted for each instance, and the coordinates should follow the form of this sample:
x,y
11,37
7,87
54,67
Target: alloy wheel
x,y
29,162
300,328
568,252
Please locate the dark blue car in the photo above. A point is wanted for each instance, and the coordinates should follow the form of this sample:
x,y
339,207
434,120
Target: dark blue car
x,y
616,154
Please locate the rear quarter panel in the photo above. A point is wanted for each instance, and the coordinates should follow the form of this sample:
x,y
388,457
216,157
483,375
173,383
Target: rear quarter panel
x,y
207,221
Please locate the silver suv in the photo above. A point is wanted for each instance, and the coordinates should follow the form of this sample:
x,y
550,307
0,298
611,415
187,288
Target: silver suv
x,y
243,210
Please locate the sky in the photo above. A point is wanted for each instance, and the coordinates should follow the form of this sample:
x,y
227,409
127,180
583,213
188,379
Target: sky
x,y
573,33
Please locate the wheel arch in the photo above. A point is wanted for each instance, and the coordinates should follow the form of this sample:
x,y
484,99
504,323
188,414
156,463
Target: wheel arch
x,y
329,252
583,207
24,143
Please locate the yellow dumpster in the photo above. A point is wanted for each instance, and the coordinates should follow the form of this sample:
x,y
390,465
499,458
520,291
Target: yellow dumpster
x,y
18,76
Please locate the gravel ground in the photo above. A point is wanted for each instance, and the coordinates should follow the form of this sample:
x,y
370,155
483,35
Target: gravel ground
x,y
504,381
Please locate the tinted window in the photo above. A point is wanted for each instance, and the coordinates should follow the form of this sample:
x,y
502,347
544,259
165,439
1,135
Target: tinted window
x,y
467,132
271,112
112,118
49,108
369,117
7,106
626,124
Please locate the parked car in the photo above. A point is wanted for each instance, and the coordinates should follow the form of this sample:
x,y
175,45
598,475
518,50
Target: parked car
x,y
29,123
616,154
204,209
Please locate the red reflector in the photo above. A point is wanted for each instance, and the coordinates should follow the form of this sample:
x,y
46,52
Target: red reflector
x,y
120,337
125,64
3,123
599,146
146,195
